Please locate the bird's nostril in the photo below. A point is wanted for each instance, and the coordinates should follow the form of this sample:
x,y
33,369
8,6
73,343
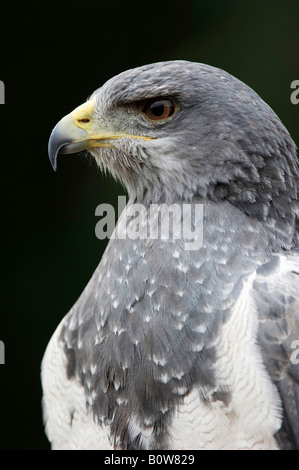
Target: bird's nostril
x,y
84,120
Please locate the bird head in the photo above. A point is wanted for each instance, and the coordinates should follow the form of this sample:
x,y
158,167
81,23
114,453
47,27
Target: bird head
x,y
175,130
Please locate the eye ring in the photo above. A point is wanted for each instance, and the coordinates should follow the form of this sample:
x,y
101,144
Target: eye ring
x,y
159,109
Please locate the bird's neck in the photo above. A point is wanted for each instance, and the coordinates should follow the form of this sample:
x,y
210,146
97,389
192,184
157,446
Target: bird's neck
x,y
276,210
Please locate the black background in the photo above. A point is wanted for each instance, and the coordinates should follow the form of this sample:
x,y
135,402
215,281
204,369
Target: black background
x,y
52,57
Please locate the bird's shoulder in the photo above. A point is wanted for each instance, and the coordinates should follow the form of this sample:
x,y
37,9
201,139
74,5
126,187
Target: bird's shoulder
x,y
276,294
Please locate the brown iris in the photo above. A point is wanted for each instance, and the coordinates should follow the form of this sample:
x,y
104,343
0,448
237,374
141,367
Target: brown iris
x,y
159,109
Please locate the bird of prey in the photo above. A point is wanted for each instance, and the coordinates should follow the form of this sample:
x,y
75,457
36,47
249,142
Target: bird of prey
x,y
170,347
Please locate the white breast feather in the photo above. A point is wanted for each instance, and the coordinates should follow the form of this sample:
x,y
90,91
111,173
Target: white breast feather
x,y
68,426
254,412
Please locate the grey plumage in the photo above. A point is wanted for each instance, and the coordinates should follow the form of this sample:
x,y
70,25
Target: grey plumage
x,y
146,330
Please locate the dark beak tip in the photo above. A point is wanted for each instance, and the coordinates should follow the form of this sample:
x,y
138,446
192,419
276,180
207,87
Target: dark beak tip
x,y
52,157
54,146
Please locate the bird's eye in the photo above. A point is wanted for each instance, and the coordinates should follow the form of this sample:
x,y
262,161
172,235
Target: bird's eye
x,y
157,110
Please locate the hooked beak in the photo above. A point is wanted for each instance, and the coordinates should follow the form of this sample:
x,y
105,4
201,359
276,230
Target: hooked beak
x,y
74,133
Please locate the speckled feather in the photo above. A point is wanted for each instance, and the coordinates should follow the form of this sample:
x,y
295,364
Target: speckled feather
x,y
149,338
